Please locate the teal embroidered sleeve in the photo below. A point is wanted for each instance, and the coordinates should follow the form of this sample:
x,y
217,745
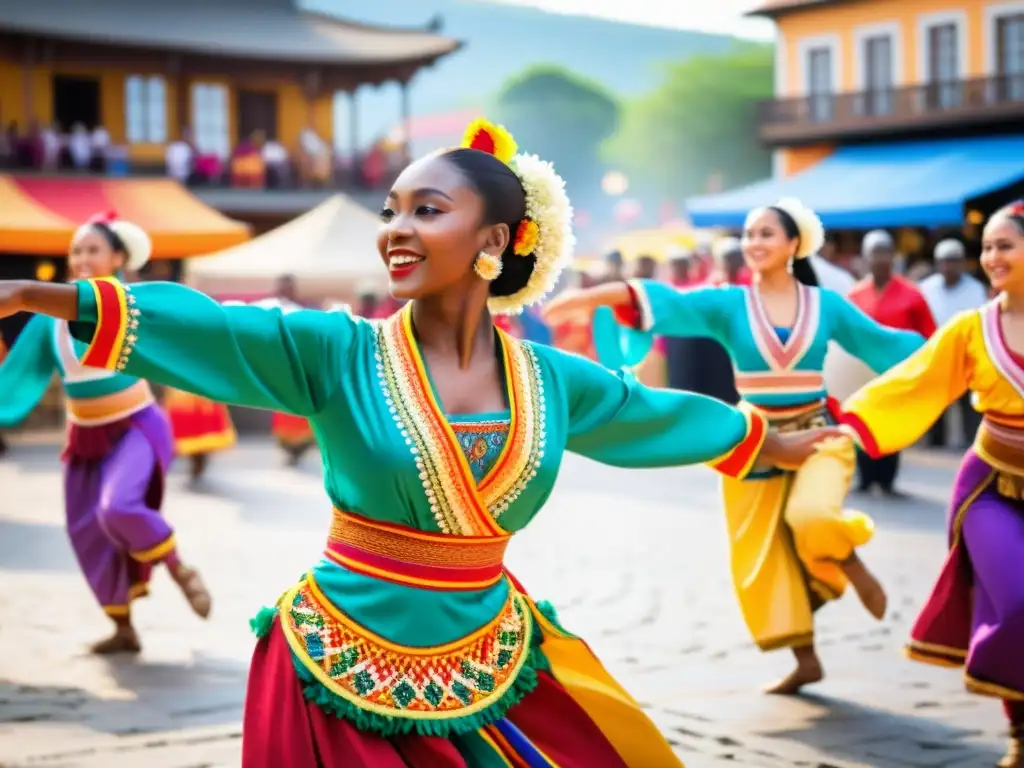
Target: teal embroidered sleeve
x,y
26,371
244,355
614,419
878,346
661,310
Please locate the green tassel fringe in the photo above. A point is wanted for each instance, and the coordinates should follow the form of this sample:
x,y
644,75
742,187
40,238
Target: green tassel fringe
x,y
549,613
314,691
263,622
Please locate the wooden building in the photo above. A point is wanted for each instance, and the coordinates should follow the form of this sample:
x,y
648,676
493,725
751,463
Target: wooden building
x,y
890,114
224,68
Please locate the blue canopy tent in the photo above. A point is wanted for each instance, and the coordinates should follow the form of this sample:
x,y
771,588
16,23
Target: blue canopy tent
x,y
919,183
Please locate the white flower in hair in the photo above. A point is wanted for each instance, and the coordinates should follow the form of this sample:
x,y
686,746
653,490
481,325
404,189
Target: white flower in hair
x,y
812,231
548,206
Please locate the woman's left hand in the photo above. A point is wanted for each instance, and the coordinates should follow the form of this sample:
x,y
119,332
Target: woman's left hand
x,y
790,450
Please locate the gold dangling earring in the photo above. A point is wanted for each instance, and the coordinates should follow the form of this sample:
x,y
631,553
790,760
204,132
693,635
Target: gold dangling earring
x,y
486,266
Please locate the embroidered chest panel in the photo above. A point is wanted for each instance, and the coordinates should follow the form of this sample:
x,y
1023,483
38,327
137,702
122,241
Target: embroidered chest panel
x,y
461,503
482,443
378,676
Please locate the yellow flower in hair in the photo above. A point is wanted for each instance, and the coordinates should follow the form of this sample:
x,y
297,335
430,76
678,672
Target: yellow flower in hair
x,y
526,237
491,138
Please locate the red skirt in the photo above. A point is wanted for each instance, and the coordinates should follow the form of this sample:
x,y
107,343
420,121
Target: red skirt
x,y
282,728
291,430
199,425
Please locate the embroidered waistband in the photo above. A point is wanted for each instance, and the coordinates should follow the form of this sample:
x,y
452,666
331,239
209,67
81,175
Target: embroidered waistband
x,y
1001,447
772,382
96,411
415,558
796,417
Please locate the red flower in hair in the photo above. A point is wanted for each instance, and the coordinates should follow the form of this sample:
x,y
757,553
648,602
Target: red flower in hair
x,y
107,217
1016,209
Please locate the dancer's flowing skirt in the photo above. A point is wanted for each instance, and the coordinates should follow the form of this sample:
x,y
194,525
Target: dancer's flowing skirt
x,y
199,425
113,490
291,431
974,616
788,532
576,716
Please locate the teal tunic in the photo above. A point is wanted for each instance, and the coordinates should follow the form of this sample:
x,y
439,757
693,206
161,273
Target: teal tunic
x,y
390,453
772,370
43,347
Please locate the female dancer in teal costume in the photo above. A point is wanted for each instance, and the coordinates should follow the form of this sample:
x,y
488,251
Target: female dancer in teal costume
x,y
119,445
792,545
407,644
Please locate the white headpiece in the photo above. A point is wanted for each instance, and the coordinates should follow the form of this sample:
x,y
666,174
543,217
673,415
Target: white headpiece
x,y
546,231
809,226
137,245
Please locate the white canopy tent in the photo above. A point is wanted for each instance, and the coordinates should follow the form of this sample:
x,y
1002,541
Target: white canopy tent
x,y
330,252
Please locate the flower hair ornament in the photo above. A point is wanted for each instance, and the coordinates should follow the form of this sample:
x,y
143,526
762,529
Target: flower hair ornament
x,y
812,231
544,233
122,235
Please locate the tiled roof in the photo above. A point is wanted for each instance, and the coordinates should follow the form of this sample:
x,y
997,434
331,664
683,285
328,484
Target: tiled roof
x,y
257,29
779,7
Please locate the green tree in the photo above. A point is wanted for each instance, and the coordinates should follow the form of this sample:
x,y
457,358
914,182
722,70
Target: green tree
x,y
560,116
701,123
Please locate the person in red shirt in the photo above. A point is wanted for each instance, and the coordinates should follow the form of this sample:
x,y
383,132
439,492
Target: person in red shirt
x,y
895,301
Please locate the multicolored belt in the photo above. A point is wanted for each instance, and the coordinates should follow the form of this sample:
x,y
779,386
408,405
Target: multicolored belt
x,y
96,411
1000,444
796,418
404,555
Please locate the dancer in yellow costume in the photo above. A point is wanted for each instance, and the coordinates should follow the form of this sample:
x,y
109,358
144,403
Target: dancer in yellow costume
x,y
793,545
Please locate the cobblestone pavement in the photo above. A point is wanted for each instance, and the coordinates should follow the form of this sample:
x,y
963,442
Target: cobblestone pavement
x,y
636,562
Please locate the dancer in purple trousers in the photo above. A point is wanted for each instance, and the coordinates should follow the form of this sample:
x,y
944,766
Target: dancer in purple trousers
x,y
974,617
119,444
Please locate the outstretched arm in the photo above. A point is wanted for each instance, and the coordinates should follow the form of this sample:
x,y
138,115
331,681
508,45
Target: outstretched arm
x,y
893,411
26,372
616,420
628,315
173,335
876,345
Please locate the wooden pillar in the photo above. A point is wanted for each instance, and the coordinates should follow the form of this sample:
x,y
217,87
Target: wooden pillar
x,y
311,90
182,102
353,123
28,71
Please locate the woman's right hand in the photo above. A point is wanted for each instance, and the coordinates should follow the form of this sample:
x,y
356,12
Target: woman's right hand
x,y
10,297
577,303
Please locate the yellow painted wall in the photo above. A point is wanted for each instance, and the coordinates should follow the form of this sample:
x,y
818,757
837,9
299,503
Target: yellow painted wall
x,y
798,159
844,18
15,84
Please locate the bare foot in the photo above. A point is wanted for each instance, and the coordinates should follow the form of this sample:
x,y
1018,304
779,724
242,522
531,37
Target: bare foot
x,y
192,586
806,672
124,640
1014,757
869,590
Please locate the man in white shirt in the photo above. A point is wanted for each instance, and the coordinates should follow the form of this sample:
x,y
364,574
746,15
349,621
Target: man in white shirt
x,y
950,291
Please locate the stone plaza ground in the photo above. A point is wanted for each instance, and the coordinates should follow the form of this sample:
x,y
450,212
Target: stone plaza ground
x,y
635,562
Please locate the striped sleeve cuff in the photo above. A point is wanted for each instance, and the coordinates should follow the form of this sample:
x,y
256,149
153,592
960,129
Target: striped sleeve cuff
x,y
855,427
107,303
740,459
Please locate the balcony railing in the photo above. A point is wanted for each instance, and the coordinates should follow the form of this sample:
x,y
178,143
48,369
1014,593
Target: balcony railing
x,y
952,104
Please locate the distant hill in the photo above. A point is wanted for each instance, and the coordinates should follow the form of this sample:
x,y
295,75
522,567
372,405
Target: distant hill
x,y
501,40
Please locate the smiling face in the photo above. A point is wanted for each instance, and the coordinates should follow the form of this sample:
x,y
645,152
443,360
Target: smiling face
x,y
431,230
1002,253
91,256
766,244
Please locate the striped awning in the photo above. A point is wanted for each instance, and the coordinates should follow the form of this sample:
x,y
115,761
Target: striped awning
x,y
39,214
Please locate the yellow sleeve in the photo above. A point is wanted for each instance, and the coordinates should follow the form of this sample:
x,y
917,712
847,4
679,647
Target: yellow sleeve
x,y
893,411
